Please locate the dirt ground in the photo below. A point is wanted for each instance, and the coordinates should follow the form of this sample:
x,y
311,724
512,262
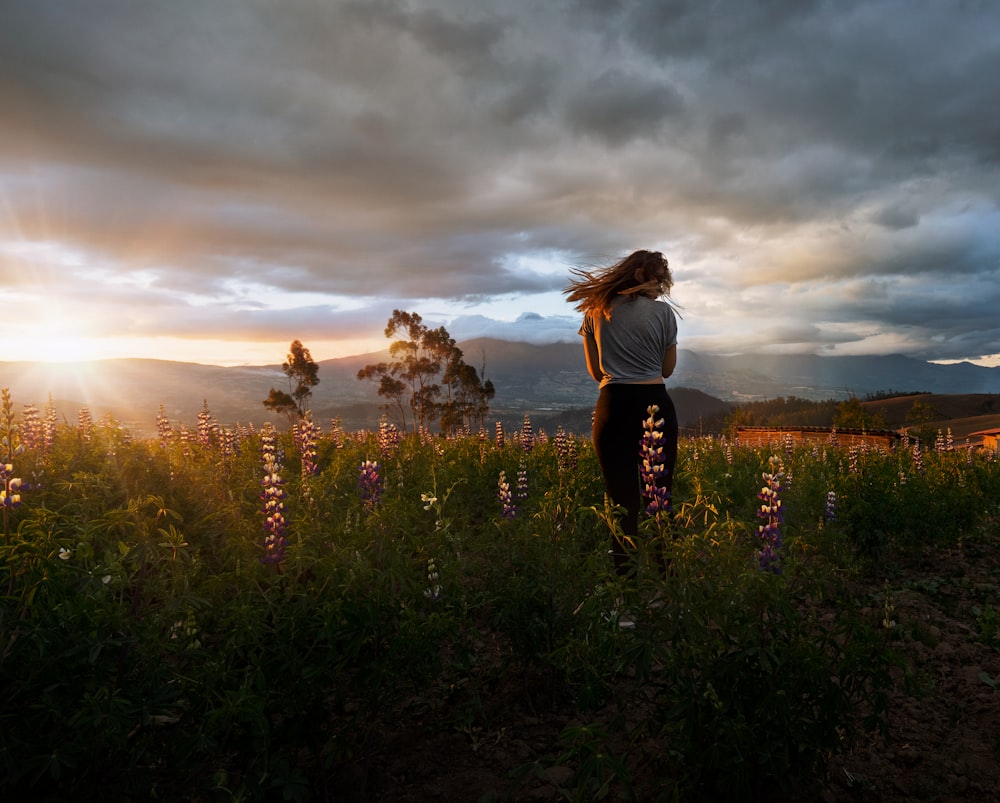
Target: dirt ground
x,y
944,725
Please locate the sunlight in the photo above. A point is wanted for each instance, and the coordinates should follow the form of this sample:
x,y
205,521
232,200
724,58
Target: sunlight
x,y
57,348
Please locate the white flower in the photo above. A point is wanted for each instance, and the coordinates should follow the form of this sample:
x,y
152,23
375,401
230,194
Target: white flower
x,y
64,554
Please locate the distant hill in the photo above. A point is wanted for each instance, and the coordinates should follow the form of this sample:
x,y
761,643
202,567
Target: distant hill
x,y
547,382
749,377
961,413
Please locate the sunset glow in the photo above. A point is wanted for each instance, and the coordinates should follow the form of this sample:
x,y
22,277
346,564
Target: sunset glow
x,y
294,177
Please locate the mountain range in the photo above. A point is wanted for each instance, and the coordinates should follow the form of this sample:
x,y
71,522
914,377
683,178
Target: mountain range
x,y
547,382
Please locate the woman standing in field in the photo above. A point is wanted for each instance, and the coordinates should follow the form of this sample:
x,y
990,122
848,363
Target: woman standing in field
x,y
630,343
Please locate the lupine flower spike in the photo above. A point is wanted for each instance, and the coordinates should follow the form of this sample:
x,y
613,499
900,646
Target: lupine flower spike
x,y
527,435
522,482
388,438
273,497
771,513
831,506
653,472
507,507
10,447
370,485
307,434
433,590
565,450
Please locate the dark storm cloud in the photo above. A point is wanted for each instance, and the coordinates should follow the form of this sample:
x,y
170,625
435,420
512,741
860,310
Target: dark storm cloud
x,y
396,152
617,108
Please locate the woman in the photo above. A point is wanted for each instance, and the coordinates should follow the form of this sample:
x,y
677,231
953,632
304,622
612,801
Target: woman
x,y
630,343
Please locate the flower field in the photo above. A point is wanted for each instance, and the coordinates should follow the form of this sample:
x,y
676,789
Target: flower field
x,y
252,614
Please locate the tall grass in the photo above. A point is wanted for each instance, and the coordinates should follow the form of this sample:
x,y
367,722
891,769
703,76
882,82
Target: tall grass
x,y
153,645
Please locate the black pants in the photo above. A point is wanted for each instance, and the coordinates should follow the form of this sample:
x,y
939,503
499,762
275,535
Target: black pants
x,y
617,434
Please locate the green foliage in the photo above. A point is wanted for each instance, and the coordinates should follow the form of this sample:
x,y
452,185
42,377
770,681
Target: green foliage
x,y
851,414
146,652
303,375
780,412
920,418
753,689
429,375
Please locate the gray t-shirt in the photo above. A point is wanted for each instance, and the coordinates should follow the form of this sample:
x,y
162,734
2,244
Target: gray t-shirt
x,y
632,343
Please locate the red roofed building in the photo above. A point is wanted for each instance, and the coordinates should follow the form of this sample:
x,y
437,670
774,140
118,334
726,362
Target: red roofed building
x,y
778,436
990,438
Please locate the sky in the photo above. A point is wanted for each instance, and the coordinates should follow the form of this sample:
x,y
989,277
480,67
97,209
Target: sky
x,y
207,180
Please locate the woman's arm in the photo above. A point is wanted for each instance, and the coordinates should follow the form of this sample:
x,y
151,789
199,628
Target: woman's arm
x,y
593,357
669,361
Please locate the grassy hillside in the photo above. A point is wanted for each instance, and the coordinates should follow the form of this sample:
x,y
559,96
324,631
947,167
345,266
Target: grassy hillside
x,y
962,413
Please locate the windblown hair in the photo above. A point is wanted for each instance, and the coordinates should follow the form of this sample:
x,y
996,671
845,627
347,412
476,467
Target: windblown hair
x,y
640,273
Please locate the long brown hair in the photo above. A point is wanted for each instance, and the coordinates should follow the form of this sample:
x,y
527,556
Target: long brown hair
x,y
641,272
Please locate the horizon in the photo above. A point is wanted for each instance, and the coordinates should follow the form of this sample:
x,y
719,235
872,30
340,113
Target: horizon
x,y
822,178
384,347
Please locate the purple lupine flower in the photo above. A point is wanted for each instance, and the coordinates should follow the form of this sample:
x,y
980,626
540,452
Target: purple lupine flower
x,y
499,431
527,435
522,482
337,434
86,422
918,457
425,435
433,591
771,513
229,442
388,439
31,427
49,425
10,487
830,514
565,450
369,485
163,428
306,435
273,498
207,426
507,507
572,460
939,442
184,436
652,470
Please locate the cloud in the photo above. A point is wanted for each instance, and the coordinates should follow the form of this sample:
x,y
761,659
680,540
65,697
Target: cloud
x,y
248,168
527,328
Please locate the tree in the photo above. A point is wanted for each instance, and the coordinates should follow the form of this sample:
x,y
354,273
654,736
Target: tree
x,y
851,414
469,395
302,372
919,420
428,375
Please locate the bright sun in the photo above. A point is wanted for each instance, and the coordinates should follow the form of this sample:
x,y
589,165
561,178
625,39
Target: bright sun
x,y
58,349
56,342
